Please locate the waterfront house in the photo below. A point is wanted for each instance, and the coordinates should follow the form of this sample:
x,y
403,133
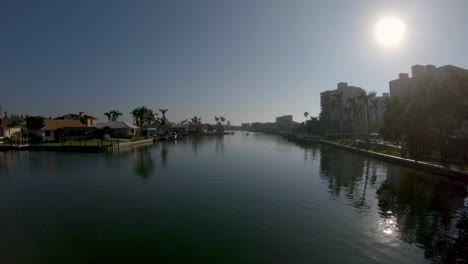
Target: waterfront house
x,y
88,120
180,129
7,131
53,129
119,128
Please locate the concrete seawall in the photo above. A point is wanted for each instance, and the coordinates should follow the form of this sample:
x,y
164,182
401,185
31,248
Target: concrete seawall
x,y
107,148
452,173
134,144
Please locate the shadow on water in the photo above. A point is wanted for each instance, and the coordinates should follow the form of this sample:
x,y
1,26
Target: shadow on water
x,y
426,210
219,144
13,160
164,152
144,164
197,142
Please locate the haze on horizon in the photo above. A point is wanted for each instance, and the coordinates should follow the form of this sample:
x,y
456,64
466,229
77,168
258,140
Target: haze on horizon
x,y
246,60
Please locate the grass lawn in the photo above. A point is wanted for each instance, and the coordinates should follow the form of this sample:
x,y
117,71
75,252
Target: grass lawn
x,y
82,143
393,151
379,148
134,139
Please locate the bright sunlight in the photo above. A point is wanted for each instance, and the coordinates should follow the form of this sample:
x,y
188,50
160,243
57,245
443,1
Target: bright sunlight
x,y
390,31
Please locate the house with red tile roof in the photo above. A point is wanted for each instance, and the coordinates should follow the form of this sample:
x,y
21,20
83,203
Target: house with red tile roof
x,y
54,129
85,119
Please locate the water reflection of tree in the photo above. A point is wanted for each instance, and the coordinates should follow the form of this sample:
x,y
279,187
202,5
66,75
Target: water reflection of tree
x,y
345,173
198,141
164,153
195,140
219,144
430,213
144,165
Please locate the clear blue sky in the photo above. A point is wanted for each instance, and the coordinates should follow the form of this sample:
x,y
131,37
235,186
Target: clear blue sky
x,y
248,60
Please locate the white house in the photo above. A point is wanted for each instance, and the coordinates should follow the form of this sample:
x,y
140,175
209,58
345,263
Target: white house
x,y
119,127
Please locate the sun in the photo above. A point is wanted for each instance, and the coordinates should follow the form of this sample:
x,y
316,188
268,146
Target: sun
x,y
390,31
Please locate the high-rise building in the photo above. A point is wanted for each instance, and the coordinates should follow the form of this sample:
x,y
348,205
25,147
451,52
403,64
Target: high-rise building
x,y
404,86
245,126
329,114
284,123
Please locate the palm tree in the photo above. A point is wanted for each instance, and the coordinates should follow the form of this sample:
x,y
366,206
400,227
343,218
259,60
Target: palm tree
x,y
143,116
162,121
337,103
163,111
306,114
219,124
138,114
353,108
115,115
195,124
365,99
109,115
148,118
375,106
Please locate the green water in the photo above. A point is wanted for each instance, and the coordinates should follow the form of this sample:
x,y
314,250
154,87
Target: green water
x,y
237,198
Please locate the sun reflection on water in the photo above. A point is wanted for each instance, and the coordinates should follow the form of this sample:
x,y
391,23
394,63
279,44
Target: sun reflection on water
x,y
389,224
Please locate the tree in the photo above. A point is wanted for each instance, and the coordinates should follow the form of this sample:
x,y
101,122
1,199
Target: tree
x,y
337,104
306,114
430,122
195,124
365,99
62,134
143,116
148,118
163,112
375,105
34,122
393,128
109,115
138,115
219,124
312,126
163,121
83,119
115,114
353,109
15,120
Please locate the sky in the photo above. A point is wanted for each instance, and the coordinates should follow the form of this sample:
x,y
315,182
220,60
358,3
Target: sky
x,y
246,60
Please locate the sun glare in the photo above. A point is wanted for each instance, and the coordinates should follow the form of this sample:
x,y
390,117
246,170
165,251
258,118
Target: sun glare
x,y
390,31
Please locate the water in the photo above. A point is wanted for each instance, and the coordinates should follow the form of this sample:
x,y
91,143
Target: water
x,y
238,198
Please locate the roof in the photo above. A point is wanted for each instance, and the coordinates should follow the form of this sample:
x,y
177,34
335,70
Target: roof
x,y
116,125
74,117
52,124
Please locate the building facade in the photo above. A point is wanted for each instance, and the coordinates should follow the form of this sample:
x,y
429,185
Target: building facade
x,y
404,86
330,115
284,123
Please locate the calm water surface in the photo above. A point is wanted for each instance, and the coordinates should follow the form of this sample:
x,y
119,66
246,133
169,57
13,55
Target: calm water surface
x,y
238,198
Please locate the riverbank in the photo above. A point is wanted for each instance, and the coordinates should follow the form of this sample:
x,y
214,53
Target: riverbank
x,y
135,143
453,173
104,146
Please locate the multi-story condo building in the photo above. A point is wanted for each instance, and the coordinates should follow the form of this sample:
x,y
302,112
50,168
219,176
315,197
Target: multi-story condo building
x,y
284,123
330,115
404,86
